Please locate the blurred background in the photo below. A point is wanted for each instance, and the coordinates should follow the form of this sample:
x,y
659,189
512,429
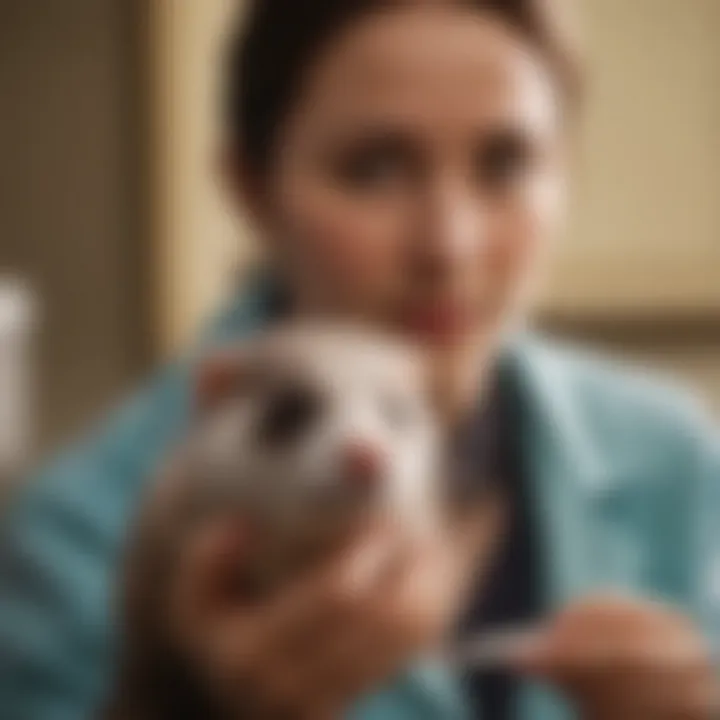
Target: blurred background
x,y
115,239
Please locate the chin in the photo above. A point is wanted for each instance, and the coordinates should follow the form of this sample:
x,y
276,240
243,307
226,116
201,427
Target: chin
x,y
458,370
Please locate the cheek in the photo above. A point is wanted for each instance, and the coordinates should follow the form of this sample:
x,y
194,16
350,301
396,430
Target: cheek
x,y
336,238
523,228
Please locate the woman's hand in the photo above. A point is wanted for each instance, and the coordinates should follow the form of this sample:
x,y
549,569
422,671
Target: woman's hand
x,y
311,650
622,659
326,640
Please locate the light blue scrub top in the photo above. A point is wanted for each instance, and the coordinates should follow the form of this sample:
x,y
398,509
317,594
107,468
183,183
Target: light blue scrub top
x,y
625,475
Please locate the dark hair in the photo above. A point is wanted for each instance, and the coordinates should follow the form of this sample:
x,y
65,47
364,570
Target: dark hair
x,y
277,40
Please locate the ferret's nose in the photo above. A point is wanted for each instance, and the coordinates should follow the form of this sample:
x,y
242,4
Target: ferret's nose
x,y
362,465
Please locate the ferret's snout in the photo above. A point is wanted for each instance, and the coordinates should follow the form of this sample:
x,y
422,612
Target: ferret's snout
x,y
362,465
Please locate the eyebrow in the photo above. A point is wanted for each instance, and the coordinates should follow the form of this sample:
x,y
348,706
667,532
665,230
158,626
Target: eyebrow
x,y
390,131
509,134
372,136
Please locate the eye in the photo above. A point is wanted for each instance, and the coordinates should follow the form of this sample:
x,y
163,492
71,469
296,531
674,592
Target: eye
x,y
377,163
289,413
502,160
370,172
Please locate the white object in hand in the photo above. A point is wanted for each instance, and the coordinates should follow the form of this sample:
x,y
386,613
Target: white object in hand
x,y
494,648
17,320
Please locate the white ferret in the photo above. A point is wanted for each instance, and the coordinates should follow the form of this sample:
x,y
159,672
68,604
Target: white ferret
x,y
300,433
307,430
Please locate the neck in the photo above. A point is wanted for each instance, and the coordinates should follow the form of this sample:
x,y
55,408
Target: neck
x,y
460,379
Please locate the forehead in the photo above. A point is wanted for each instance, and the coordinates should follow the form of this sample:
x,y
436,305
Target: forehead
x,y
428,66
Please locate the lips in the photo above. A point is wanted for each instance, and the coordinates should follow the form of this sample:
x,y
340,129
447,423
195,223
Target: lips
x,y
439,321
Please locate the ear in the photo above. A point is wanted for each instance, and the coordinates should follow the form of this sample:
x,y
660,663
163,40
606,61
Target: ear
x,y
219,376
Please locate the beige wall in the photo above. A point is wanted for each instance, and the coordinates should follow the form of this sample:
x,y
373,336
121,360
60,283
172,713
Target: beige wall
x,y
645,234
197,239
645,230
68,205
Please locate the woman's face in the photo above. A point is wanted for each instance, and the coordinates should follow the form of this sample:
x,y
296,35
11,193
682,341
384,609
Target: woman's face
x,y
417,178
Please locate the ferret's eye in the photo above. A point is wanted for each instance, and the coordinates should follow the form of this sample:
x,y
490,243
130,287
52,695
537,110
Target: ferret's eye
x,y
287,415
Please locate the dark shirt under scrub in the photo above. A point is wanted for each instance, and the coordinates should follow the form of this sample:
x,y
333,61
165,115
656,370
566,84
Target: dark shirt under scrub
x,y
490,450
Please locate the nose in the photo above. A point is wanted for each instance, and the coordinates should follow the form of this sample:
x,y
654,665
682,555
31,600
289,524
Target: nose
x,y
454,229
362,465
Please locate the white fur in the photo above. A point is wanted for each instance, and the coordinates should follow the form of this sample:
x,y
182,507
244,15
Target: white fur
x,y
358,373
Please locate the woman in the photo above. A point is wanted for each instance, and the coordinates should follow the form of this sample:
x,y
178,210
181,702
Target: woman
x,y
404,164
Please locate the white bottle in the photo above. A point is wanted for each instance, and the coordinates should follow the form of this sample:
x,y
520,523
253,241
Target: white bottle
x,y
17,378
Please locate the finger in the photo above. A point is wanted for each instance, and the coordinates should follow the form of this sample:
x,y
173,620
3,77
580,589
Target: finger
x,y
337,592
654,650
425,597
287,629
353,658
589,635
480,525
354,665
205,577
549,655
278,650
617,614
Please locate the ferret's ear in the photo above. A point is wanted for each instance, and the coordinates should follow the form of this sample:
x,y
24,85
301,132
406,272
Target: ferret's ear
x,y
217,377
